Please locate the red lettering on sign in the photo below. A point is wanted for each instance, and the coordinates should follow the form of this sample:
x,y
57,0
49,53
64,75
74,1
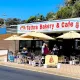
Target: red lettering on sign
x,y
32,27
22,28
71,24
36,27
77,25
46,26
40,26
62,24
67,24
29,27
52,26
57,25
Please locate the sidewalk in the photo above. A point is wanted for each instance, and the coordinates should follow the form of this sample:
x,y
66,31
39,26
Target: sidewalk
x,y
66,70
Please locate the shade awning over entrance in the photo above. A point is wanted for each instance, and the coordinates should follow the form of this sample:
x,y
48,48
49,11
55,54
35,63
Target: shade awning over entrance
x,y
37,35
70,35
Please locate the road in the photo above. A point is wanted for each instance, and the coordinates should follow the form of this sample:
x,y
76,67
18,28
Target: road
x,y
7,73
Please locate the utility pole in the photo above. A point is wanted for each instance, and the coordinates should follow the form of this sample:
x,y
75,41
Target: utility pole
x,y
4,25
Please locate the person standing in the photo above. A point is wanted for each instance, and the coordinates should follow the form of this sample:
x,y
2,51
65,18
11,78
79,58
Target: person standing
x,y
46,50
55,50
42,49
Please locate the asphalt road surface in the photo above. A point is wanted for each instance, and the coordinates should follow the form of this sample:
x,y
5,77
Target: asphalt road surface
x,y
7,73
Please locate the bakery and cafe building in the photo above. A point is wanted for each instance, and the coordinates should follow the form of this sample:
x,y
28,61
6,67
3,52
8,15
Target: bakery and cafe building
x,y
52,28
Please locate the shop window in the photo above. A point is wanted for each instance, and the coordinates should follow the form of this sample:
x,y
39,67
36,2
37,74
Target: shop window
x,y
38,43
28,43
77,44
24,44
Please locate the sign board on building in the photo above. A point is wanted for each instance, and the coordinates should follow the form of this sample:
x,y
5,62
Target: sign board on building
x,y
51,26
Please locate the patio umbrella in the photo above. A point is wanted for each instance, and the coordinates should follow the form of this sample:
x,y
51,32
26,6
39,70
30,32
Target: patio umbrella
x,y
16,37
37,35
70,35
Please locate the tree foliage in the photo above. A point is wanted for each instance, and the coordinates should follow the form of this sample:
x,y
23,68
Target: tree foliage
x,y
70,2
31,19
40,17
50,16
37,18
64,12
77,9
1,21
13,21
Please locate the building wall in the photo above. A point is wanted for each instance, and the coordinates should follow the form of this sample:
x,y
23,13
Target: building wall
x,y
3,30
9,45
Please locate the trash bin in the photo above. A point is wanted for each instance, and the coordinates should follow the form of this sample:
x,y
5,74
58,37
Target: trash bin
x,y
30,62
58,65
11,58
73,62
45,66
10,53
33,63
70,62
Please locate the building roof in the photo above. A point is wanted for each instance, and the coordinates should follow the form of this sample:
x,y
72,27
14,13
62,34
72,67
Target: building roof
x,y
3,36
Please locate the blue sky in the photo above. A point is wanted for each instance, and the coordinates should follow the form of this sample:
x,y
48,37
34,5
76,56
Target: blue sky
x,y
23,9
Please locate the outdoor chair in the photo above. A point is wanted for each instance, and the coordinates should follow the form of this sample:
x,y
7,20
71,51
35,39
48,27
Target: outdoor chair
x,y
63,59
74,60
37,61
19,59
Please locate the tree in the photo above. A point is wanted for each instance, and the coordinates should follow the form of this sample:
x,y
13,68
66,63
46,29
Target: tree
x,y
77,9
40,17
31,19
37,18
50,16
70,2
16,21
1,21
64,12
13,21
23,21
